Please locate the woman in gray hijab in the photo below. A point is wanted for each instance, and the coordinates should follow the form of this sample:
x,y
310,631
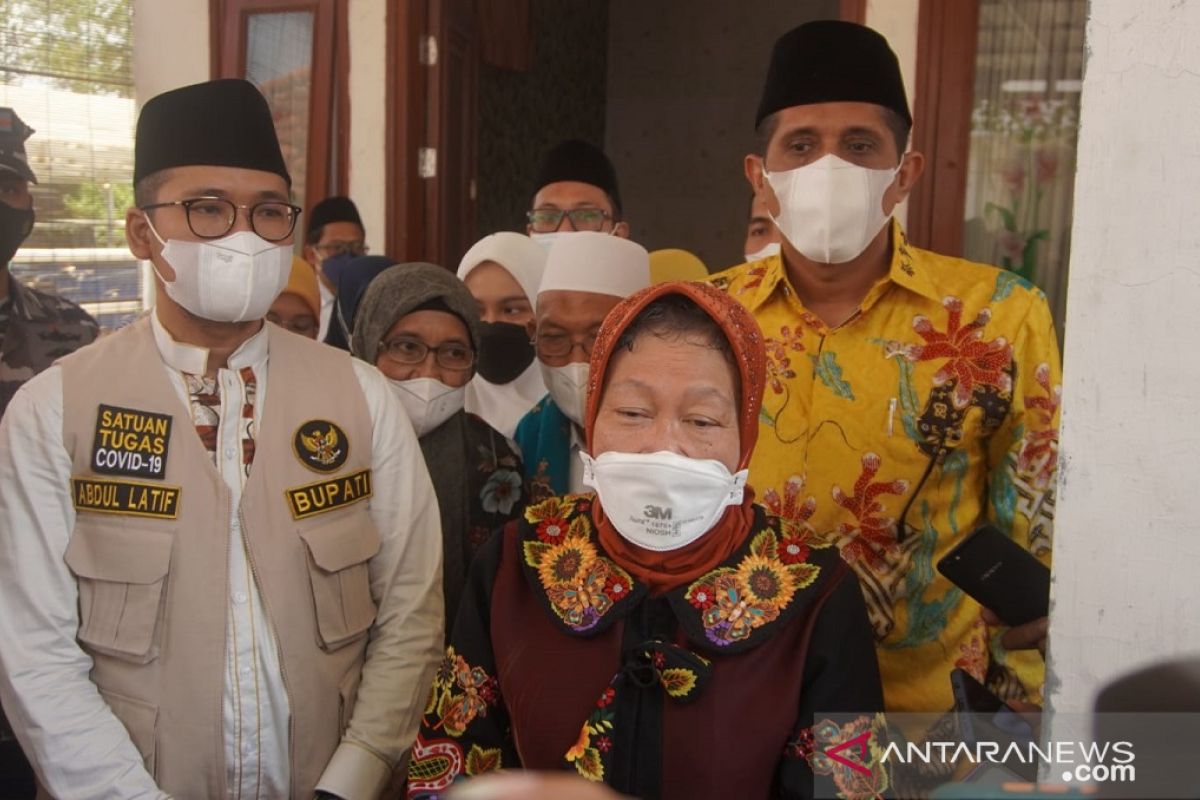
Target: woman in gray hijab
x,y
420,326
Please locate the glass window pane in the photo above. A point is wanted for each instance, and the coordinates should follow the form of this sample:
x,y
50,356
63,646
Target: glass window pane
x,y
279,53
67,73
1025,115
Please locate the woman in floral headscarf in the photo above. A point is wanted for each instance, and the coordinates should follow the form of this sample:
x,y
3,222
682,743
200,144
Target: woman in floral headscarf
x,y
420,326
665,634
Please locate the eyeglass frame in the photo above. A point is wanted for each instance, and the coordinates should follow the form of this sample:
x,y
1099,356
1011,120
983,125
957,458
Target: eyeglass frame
x,y
385,349
566,214
248,208
587,345
359,250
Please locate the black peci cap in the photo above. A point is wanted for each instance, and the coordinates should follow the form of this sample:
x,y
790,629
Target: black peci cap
x,y
222,123
831,61
332,209
577,160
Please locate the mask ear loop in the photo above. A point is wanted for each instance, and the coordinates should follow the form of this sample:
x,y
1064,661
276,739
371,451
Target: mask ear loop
x,y
154,266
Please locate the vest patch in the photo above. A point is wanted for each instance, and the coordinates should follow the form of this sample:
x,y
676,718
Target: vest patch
x,y
131,498
131,442
317,498
321,445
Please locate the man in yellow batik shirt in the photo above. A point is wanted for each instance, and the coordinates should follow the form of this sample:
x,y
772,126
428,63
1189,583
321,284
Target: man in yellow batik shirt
x,y
910,396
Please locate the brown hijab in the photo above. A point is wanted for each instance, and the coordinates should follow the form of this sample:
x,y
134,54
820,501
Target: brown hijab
x,y
663,571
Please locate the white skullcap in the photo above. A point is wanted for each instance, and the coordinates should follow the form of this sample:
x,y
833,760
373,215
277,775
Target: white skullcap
x,y
522,257
589,261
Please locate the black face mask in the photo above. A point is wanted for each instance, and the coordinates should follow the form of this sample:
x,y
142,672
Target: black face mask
x,y
15,226
504,351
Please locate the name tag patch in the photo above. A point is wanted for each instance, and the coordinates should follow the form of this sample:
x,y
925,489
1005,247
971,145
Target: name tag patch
x,y
321,445
131,498
131,442
317,498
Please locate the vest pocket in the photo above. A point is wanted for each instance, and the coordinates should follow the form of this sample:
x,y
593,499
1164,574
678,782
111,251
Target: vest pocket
x,y
338,556
121,571
140,720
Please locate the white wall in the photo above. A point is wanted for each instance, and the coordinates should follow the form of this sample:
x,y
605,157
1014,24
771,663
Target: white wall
x,y
897,21
1127,549
170,45
368,115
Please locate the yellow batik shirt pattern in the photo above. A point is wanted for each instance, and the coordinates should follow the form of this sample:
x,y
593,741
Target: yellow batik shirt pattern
x,y
937,401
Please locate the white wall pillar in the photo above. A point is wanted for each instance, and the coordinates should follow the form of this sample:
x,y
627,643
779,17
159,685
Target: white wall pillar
x,y
368,116
897,21
170,46
1128,519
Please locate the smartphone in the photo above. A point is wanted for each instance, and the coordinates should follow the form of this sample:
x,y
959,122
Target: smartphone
x,y
984,717
1000,574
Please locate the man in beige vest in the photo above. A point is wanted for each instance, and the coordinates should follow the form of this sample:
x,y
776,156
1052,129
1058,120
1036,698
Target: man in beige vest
x,y
219,546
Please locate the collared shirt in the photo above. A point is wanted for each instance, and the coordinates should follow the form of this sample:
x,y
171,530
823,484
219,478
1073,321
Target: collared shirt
x,y
936,402
86,751
37,328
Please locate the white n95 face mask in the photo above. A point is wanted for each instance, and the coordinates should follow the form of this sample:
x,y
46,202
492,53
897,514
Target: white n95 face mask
x,y
232,279
429,402
769,249
830,210
662,501
568,388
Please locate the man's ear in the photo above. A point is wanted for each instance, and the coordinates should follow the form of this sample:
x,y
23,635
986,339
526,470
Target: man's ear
x,y
309,254
755,171
912,164
621,229
137,234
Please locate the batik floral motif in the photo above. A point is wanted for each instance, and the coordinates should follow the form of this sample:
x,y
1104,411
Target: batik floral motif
x,y
501,492
871,536
581,584
970,361
779,363
735,601
850,753
1038,458
460,694
973,653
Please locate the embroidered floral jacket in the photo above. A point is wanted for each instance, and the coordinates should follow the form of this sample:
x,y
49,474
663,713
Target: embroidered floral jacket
x,y
934,408
559,659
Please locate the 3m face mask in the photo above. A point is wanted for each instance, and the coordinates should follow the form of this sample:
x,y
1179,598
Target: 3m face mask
x,y
568,388
662,501
232,279
830,210
429,402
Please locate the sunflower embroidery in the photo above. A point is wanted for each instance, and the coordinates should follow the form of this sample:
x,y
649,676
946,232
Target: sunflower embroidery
x,y
580,584
734,601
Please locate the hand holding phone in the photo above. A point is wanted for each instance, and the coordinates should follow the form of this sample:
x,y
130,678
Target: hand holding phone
x,y
1000,574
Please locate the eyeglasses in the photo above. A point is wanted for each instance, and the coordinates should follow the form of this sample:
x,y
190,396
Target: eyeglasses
x,y
335,249
410,351
560,345
213,217
303,325
548,220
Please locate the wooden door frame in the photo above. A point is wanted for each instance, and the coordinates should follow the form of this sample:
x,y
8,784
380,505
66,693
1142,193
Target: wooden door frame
x,y
947,39
406,91
330,60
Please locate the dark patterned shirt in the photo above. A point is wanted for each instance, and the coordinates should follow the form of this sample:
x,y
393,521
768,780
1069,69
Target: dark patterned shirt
x,y
38,328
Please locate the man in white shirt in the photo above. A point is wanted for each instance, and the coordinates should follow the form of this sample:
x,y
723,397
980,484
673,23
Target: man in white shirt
x,y
219,576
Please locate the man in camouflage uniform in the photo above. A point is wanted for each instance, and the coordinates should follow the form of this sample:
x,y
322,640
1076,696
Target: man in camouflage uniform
x,y
35,328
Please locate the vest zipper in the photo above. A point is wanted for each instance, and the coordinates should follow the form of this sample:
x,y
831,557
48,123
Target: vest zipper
x,y
287,689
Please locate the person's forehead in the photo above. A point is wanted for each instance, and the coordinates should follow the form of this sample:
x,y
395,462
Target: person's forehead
x,y
571,194
831,118
232,182
431,322
758,210
574,310
341,231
